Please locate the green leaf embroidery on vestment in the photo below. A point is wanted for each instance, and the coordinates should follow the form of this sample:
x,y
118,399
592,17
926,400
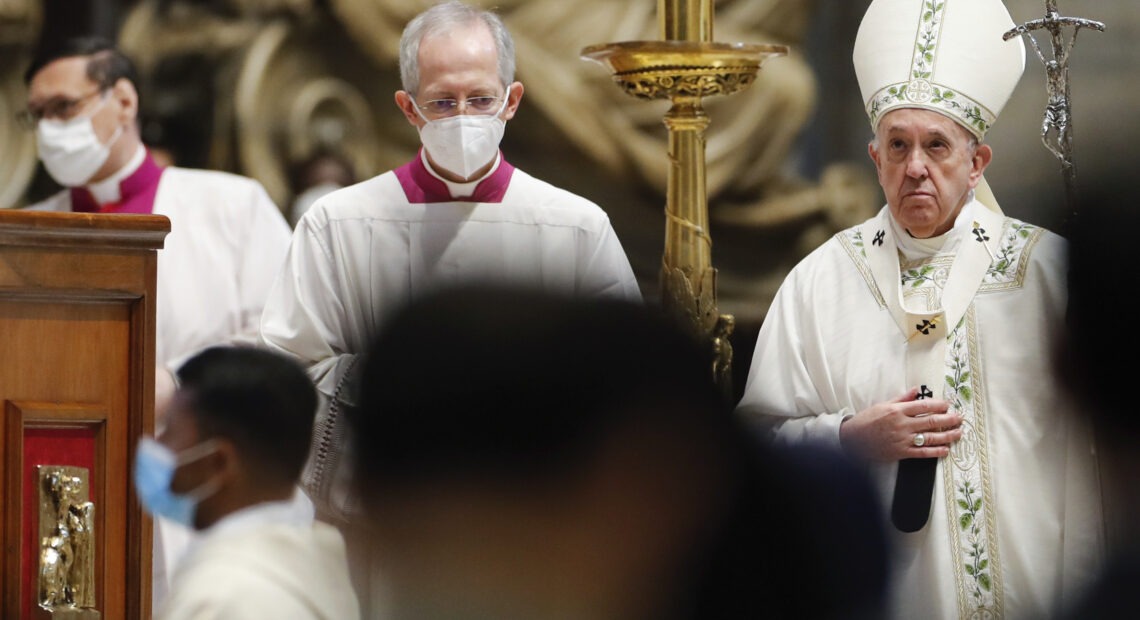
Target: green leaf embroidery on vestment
x,y
976,567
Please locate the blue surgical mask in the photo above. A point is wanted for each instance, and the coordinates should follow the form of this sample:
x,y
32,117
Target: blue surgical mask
x,y
155,465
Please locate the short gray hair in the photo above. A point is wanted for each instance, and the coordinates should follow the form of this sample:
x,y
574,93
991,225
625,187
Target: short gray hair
x,y
445,17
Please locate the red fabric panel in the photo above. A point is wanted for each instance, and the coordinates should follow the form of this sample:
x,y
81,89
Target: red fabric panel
x,y
48,446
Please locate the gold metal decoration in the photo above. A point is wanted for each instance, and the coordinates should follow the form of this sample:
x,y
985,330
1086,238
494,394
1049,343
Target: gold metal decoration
x,y
685,66
66,587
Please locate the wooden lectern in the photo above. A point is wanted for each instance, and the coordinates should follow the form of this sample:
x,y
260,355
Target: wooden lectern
x,y
77,329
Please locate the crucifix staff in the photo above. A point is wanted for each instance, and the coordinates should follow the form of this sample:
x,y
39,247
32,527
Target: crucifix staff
x,y
1057,124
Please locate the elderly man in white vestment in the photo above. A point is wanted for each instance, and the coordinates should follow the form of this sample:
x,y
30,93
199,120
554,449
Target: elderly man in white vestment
x,y
227,239
921,339
459,212
227,464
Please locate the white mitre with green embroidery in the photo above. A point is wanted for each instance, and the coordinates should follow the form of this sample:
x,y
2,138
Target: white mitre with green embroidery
x,y
942,55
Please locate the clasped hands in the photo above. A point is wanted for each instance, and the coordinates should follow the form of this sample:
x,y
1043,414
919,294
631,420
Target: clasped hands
x,y
886,431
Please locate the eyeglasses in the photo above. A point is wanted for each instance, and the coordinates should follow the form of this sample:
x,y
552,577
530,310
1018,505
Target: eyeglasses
x,y
450,107
59,108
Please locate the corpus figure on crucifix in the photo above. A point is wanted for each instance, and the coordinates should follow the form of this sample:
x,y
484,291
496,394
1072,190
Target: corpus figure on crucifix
x,y
1058,110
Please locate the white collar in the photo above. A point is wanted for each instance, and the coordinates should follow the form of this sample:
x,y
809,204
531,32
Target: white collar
x,y
107,190
460,190
914,248
297,511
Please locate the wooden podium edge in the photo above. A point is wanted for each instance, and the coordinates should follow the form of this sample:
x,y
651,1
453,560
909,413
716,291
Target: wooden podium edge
x,y
92,230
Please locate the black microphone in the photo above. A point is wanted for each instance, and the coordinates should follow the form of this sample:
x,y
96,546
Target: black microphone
x,y
914,488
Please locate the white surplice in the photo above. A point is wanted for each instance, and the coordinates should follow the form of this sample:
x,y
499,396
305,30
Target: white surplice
x,y
226,243
362,251
1015,528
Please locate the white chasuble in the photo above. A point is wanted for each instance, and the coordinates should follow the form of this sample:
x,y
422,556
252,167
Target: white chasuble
x,y
1015,527
928,299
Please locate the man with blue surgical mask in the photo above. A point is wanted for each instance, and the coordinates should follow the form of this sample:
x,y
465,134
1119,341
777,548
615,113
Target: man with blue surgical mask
x,y
227,463
227,239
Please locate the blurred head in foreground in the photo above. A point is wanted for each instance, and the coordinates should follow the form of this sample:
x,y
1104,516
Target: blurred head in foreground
x,y
533,456
1095,363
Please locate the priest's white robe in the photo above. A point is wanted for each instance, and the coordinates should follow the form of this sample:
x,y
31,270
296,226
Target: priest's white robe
x,y
265,561
362,251
226,243
1015,528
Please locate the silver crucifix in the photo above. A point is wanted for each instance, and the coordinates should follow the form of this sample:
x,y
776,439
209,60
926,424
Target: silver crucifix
x,y
1057,124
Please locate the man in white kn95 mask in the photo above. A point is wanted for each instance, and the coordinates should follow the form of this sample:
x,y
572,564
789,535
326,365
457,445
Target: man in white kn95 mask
x,y
457,213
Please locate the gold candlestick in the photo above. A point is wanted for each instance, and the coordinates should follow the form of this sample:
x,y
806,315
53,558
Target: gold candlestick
x,y
684,67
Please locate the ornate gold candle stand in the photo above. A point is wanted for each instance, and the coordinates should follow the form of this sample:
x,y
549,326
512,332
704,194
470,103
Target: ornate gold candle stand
x,y
685,67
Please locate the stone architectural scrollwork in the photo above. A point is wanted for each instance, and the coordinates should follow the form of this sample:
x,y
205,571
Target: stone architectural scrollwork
x,y
20,23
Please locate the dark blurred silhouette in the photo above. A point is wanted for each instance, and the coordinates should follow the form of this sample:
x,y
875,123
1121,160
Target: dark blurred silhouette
x,y
533,456
1096,362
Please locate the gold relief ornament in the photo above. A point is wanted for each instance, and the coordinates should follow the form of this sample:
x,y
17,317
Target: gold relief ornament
x,y
66,576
